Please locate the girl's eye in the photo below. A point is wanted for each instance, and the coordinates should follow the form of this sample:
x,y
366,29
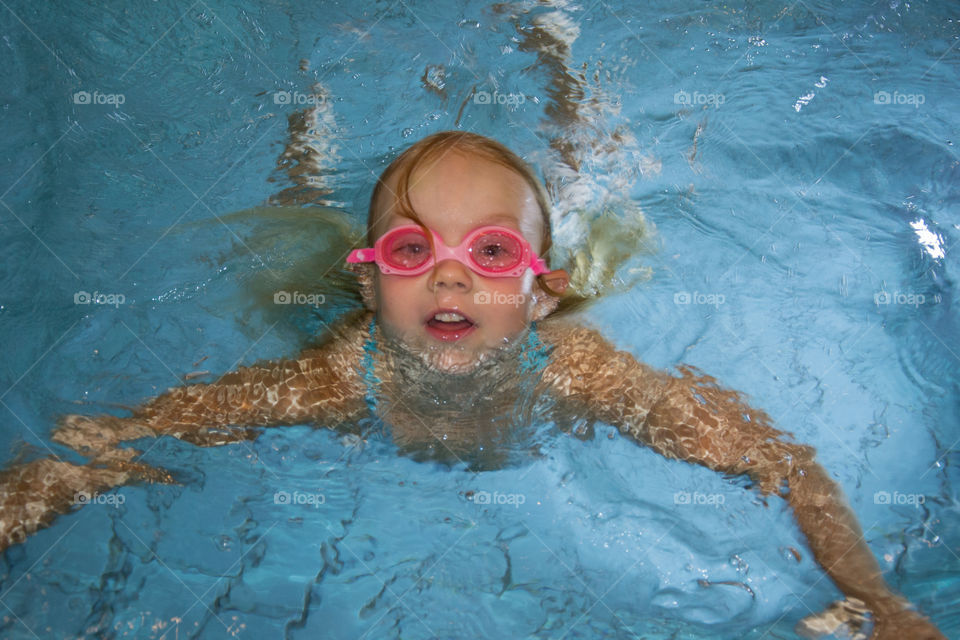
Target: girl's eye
x,y
496,251
410,249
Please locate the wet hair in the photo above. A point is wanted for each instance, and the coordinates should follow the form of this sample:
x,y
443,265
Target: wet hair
x,y
431,150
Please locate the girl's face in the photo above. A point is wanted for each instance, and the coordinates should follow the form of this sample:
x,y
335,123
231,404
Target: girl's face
x,y
451,314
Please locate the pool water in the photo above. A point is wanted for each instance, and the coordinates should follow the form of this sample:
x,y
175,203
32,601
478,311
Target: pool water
x,y
797,167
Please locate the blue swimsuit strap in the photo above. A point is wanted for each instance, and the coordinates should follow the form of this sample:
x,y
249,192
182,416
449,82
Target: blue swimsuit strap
x,y
369,377
534,356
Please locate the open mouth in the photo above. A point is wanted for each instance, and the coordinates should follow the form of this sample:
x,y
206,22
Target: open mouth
x,y
449,325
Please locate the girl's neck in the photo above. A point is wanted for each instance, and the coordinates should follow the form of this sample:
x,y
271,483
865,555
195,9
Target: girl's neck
x,y
454,414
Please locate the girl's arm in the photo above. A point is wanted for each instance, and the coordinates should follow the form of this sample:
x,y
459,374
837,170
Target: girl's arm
x,y
691,418
34,493
322,386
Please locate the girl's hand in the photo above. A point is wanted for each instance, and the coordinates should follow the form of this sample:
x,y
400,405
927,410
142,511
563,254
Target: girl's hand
x,y
95,435
905,624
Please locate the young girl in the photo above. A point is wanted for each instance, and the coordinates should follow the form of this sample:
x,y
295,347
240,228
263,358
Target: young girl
x,y
458,293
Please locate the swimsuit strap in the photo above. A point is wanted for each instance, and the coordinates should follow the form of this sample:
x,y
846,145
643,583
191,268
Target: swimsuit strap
x,y
369,377
534,355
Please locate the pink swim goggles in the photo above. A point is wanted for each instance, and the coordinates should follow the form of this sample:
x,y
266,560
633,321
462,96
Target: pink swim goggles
x,y
494,252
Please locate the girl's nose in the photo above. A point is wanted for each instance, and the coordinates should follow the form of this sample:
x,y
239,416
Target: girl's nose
x,y
451,274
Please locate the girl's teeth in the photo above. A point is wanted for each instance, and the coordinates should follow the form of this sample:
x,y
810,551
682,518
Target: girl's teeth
x,y
449,317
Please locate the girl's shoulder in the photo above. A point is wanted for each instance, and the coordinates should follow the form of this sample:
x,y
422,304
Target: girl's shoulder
x,y
343,339
582,357
566,336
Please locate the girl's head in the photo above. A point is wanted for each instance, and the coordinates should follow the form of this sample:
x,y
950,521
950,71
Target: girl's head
x,y
450,184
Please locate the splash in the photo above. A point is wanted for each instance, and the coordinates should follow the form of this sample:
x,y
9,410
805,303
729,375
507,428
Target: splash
x,y
311,153
592,161
931,242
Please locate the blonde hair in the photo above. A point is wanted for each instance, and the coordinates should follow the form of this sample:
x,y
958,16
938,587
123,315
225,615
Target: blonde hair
x,y
433,147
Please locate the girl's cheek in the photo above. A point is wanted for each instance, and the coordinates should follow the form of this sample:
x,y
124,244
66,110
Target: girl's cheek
x,y
526,282
391,292
522,286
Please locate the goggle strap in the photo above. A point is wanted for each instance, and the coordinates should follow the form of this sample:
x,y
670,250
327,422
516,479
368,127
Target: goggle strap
x,y
539,266
362,255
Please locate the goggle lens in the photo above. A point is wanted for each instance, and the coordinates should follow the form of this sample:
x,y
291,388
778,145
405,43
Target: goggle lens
x,y
406,249
495,251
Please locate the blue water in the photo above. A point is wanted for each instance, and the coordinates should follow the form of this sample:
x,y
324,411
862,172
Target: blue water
x,y
799,165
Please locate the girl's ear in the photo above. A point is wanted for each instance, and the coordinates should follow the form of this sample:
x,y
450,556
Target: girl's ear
x,y
556,282
365,275
547,295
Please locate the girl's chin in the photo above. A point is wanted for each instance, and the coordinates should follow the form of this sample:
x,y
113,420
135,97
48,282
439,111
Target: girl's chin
x,y
455,357
451,357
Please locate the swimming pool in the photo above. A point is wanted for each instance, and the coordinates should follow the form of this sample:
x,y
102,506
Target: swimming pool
x,y
798,161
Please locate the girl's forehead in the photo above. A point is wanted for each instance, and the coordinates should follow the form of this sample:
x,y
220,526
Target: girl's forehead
x,y
456,194
454,229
